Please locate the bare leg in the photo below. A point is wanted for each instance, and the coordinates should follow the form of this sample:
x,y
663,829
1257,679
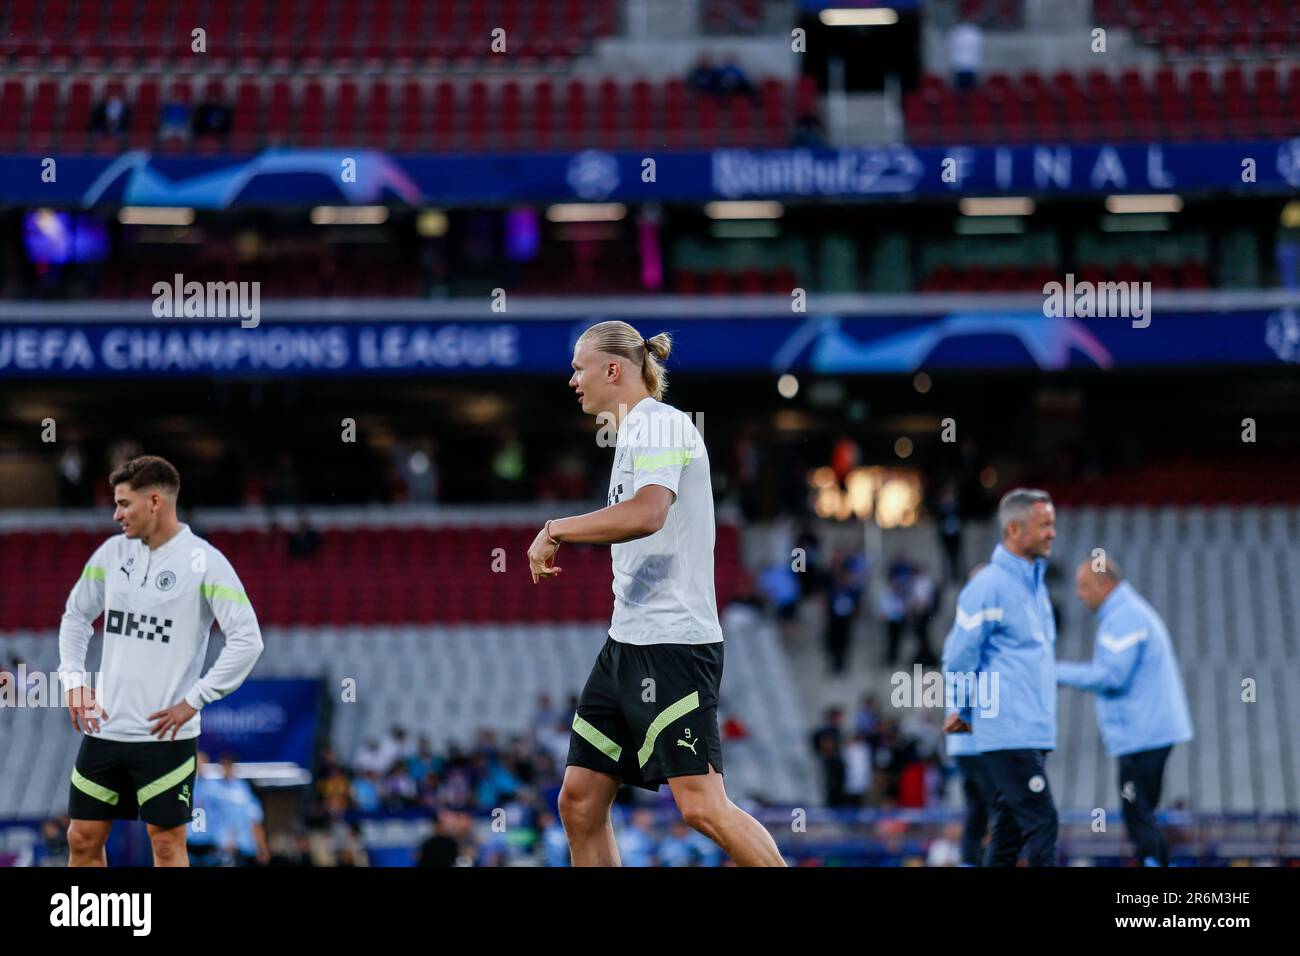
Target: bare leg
x,y
704,805
86,839
169,846
585,799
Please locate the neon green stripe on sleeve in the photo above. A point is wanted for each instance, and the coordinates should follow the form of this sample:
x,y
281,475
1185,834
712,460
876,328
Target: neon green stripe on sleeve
x,y
92,573
221,591
661,460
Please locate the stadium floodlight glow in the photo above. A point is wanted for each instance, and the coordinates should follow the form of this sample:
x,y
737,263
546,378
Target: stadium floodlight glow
x,y
586,212
349,215
155,216
842,17
997,206
1147,204
431,223
787,386
744,209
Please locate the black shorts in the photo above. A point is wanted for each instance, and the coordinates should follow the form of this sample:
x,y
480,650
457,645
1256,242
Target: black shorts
x,y
121,780
650,712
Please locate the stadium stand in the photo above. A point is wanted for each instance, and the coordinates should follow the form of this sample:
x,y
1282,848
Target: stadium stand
x,y
1100,107
406,114
1224,578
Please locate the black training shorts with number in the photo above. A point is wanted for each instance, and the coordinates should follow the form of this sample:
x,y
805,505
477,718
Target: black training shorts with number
x,y
120,780
650,712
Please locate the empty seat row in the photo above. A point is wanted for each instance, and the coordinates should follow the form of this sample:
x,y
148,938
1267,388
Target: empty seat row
x,y
1098,106
158,33
424,115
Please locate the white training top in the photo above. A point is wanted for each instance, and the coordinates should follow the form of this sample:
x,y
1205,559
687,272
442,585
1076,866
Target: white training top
x,y
663,583
158,609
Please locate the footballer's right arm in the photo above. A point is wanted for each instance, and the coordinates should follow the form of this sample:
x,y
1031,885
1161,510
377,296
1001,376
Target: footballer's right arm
x,y
85,604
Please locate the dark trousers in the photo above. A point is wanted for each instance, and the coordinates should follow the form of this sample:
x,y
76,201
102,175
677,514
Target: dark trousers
x,y
838,632
894,631
1024,813
1141,776
977,787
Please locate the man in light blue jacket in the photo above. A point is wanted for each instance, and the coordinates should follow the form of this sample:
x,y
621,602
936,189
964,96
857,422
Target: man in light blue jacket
x,y
1141,705
999,665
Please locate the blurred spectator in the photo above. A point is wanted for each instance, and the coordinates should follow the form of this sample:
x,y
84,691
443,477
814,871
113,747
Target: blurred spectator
x,y
733,729
175,120
893,611
545,715
554,844
304,541
844,597
72,477
335,792
703,77
892,755
365,791
424,761
831,728
868,717
731,80
726,78
813,578
442,848
922,604
241,833
111,116
212,118
678,848
945,850
857,770
780,585
828,745
371,757
949,523
808,132
54,841
833,771
965,54
205,822
399,787
636,842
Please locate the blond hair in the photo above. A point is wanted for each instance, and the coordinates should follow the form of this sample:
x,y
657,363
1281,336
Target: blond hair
x,y
618,338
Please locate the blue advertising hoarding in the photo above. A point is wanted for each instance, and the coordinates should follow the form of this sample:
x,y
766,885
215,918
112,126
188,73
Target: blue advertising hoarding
x,y
824,342
265,721
308,177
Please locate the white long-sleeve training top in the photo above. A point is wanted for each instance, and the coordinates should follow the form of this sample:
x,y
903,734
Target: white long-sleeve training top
x,y
158,608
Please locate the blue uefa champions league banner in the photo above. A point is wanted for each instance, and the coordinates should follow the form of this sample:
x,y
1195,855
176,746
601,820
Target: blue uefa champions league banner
x,y
305,177
826,342
265,721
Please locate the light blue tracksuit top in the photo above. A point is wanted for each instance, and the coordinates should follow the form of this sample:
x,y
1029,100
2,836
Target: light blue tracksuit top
x,y
1141,704
1005,633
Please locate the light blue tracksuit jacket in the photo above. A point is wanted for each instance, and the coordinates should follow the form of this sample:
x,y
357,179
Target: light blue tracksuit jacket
x,y
1141,704
1004,633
